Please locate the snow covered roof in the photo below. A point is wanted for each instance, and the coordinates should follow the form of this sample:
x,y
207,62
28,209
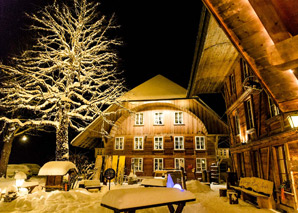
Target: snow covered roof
x,y
156,88
56,168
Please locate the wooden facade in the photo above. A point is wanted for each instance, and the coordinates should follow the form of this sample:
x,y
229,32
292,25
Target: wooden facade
x,y
262,143
259,84
160,133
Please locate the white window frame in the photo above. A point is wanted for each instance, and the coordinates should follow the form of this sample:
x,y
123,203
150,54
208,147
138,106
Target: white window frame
x,y
250,117
177,163
156,142
178,118
140,164
139,118
159,162
273,109
120,142
158,118
199,165
175,141
198,142
138,142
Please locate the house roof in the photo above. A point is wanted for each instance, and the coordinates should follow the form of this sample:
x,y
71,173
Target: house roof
x,y
266,35
214,56
156,88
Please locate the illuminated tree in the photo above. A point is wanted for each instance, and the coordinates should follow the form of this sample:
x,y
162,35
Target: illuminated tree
x,y
69,76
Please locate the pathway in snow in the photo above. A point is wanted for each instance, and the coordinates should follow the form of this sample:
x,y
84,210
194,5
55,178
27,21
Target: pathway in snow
x,y
82,201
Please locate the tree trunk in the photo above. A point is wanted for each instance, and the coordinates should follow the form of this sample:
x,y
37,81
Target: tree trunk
x,y
6,150
62,147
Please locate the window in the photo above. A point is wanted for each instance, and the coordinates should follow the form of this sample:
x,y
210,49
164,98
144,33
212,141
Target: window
x,y
158,164
158,143
201,164
137,164
249,115
138,143
245,69
200,142
158,118
119,143
139,119
178,143
178,118
273,109
232,84
237,123
179,162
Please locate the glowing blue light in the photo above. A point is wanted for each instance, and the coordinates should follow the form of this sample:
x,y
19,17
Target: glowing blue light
x,y
170,182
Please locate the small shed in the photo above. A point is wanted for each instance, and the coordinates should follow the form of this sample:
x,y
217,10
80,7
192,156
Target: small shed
x,y
59,175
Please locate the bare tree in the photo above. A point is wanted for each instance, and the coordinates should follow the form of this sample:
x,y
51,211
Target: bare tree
x,y
69,76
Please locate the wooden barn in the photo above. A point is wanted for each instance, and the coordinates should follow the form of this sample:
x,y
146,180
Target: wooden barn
x,y
247,51
163,130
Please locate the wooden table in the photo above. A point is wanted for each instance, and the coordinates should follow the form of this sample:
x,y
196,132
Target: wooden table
x,y
132,199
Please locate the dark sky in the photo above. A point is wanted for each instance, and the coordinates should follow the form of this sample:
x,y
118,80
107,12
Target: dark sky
x,y
159,38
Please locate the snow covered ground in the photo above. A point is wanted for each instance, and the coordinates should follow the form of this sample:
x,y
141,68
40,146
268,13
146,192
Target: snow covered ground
x,y
80,200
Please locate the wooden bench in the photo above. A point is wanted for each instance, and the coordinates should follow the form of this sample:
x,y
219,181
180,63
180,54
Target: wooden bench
x,y
256,190
132,199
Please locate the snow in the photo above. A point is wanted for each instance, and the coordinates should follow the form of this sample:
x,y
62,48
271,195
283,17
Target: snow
x,y
82,201
154,182
138,197
56,168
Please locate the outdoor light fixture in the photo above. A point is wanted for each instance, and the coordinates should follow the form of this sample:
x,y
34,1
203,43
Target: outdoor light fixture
x,y
20,178
24,138
293,120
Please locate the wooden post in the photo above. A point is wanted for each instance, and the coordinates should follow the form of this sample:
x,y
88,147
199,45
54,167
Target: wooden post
x,y
268,164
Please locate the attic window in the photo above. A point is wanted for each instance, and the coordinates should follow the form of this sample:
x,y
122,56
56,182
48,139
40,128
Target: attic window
x,y
178,118
158,118
139,119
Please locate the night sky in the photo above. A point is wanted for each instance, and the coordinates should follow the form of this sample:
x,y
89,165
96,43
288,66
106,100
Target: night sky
x,y
159,38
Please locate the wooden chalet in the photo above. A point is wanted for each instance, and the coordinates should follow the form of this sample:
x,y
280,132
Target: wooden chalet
x,y
163,130
247,51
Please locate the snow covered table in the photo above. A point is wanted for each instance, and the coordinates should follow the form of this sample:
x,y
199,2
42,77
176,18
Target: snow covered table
x,y
130,200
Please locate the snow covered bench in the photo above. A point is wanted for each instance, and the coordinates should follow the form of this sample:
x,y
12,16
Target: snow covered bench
x,y
130,200
92,185
259,189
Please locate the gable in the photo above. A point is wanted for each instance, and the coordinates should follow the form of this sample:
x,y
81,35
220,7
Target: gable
x,y
156,88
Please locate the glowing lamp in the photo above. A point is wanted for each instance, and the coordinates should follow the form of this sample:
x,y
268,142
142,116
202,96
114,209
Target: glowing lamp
x,y
20,178
293,120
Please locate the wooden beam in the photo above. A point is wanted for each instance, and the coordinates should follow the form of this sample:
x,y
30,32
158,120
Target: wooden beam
x,y
288,106
270,19
268,164
275,168
260,163
239,101
284,52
